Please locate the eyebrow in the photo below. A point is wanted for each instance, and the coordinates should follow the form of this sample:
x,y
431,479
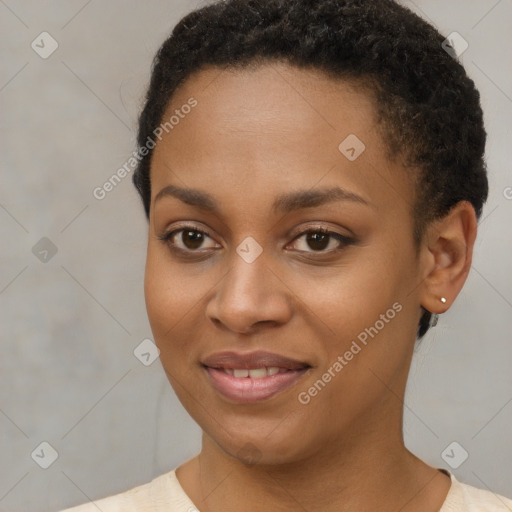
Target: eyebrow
x,y
284,203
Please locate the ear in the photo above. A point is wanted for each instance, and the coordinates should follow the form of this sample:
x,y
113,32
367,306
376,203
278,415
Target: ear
x,y
446,255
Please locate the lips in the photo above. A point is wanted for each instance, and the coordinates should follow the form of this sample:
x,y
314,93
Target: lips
x,y
254,376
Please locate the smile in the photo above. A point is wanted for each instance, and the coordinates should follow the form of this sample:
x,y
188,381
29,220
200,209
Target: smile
x,y
252,377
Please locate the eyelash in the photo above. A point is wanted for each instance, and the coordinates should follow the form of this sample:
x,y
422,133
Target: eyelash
x,y
344,240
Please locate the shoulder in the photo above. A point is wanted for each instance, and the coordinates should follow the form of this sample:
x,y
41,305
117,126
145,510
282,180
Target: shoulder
x,y
158,495
465,498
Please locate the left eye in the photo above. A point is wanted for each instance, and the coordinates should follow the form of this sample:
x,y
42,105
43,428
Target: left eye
x,y
320,239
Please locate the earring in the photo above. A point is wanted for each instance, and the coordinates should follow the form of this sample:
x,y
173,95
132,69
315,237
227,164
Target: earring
x,y
434,317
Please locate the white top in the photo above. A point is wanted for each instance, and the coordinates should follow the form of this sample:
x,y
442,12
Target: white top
x,y
165,494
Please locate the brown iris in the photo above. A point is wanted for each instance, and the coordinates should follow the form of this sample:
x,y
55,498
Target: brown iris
x,y
195,239
317,241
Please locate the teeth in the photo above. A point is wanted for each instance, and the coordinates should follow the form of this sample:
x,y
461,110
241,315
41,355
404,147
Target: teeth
x,y
258,373
255,373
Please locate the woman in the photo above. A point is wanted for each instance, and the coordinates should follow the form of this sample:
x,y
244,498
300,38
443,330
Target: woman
x,y
312,172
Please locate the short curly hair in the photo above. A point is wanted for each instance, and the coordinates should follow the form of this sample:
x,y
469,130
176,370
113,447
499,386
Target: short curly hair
x,y
427,105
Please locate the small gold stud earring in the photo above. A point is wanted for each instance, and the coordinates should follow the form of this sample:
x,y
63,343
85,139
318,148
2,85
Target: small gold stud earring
x,y
443,300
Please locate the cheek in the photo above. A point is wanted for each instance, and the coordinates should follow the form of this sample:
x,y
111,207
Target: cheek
x,y
170,296
354,294
366,302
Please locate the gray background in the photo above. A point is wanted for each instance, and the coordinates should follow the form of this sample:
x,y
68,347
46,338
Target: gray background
x,y
70,325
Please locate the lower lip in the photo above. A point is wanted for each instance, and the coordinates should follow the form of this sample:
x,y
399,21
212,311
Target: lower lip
x,y
249,390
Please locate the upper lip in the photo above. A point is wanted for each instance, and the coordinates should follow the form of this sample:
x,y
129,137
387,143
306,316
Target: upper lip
x,y
252,360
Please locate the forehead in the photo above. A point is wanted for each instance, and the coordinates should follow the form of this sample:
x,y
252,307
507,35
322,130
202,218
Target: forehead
x,y
276,98
264,129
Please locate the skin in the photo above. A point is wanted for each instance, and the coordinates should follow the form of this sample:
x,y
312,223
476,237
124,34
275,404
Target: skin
x,y
255,134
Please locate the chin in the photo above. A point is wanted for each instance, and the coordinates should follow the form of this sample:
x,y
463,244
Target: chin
x,y
275,449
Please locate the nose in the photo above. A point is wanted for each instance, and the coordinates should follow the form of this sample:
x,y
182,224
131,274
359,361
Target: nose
x,y
249,296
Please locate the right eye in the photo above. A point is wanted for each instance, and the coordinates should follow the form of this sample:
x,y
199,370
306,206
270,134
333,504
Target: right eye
x,y
188,238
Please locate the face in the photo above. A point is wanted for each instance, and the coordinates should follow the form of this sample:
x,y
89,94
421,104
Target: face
x,y
259,266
